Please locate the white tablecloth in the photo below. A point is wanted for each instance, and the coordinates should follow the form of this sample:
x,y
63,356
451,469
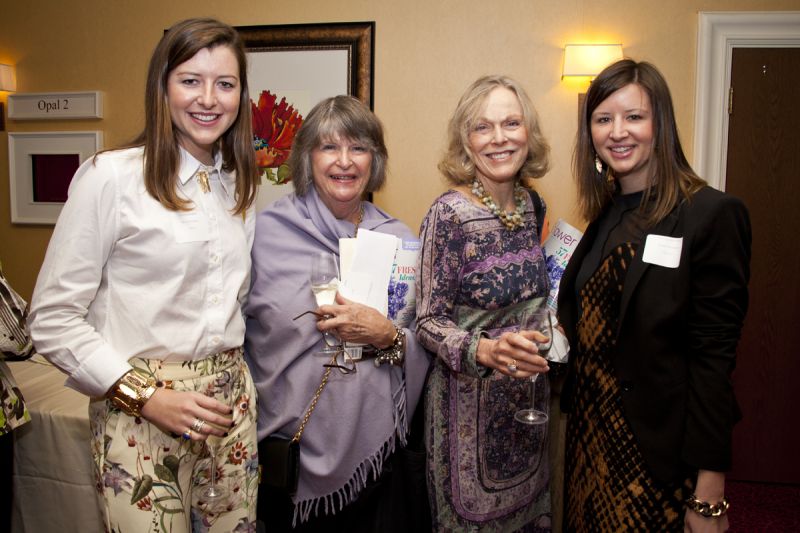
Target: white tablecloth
x,y
54,487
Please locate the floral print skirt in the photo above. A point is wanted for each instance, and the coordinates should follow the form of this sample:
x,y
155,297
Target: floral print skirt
x,y
150,481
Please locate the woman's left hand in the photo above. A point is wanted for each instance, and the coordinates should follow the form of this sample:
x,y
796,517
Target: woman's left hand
x,y
354,322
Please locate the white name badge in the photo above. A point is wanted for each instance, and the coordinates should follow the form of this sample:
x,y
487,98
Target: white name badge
x,y
663,251
191,226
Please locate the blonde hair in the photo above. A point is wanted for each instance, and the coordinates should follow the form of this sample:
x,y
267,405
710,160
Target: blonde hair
x,y
457,164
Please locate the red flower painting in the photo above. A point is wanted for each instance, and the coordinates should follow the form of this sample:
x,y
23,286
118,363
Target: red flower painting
x,y
274,128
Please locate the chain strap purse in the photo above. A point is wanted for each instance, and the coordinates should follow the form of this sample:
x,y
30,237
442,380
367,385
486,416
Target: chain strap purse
x,y
280,456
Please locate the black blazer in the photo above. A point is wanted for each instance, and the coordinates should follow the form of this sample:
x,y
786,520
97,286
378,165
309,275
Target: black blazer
x,y
677,336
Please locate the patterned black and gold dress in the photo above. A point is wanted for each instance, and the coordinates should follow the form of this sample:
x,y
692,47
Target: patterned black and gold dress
x,y
609,485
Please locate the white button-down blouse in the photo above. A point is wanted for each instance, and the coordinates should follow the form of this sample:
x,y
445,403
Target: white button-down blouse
x,y
125,277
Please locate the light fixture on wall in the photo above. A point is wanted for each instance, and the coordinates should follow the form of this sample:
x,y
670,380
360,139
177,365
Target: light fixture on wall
x,y
589,59
8,82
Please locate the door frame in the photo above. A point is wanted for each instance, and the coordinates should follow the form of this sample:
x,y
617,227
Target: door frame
x,y
719,32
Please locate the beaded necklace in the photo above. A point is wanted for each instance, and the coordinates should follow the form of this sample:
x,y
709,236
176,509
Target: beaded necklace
x,y
511,220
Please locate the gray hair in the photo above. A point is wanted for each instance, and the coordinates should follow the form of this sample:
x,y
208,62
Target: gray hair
x,y
339,116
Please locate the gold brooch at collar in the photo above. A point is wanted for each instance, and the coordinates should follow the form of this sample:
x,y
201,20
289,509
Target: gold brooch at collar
x,y
202,179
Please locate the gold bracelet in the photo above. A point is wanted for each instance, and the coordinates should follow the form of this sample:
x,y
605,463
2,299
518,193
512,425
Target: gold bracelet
x,y
131,392
706,509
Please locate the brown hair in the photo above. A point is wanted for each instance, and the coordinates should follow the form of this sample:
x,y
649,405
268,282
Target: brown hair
x,y
338,116
160,141
673,179
457,164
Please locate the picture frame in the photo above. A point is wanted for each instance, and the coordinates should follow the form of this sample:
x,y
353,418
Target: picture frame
x,y
41,165
305,63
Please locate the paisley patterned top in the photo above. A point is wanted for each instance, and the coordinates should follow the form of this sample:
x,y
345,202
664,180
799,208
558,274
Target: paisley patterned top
x,y
486,472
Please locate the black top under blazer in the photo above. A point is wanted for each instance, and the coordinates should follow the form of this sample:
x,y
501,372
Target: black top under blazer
x,y
677,336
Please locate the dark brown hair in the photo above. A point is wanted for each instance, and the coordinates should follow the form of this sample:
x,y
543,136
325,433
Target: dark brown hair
x,y
673,179
160,141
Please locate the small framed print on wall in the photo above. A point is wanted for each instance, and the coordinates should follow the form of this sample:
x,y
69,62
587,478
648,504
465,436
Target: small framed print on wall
x,y
41,166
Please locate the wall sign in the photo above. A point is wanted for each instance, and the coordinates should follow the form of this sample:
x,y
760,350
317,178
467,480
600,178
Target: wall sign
x,y
53,106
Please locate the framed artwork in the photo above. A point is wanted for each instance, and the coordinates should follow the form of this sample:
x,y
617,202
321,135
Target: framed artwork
x,y
291,68
41,166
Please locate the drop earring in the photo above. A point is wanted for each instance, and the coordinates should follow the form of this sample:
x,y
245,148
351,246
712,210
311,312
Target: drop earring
x,y
602,169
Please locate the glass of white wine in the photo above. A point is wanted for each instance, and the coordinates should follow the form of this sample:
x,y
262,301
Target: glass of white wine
x,y
538,321
324,277
214,492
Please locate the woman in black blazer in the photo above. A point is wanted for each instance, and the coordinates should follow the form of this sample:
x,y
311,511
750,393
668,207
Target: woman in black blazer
x,y
653,301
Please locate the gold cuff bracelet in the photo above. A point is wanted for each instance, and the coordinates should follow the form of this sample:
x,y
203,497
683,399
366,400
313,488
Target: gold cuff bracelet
x,y
131,392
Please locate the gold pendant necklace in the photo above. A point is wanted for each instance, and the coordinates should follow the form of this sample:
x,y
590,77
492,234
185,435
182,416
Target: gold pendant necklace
x,y
360,218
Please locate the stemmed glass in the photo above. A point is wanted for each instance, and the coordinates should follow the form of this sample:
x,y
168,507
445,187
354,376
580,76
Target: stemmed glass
x,y
214,492
324,278
539,321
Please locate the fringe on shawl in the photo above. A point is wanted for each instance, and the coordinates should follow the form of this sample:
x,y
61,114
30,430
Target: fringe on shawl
x,y
372,465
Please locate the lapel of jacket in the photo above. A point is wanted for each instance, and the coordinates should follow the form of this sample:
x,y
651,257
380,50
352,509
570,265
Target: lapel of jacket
x,y
639,267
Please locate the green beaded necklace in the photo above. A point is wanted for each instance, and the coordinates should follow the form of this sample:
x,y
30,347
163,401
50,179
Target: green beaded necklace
x,y
510,220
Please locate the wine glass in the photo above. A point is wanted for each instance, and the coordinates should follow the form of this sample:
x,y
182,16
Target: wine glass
x,y
324,277
539,321
214,492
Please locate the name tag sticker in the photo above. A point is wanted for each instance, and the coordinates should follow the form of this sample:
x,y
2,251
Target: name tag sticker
x,y
663,251
191,227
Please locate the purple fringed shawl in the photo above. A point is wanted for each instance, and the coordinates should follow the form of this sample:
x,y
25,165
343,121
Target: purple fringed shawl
x,y
360,417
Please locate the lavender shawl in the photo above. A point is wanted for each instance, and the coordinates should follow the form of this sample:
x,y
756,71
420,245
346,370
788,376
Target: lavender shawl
x,y
360,417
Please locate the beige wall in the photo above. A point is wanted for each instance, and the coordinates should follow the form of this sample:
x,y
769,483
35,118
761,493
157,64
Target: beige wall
x,y
426,54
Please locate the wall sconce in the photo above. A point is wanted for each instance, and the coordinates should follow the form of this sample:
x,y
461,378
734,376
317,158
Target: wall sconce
x,y
8,82
589,59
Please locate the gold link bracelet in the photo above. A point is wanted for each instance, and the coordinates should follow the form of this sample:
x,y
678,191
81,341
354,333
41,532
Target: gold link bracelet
x,y
706,509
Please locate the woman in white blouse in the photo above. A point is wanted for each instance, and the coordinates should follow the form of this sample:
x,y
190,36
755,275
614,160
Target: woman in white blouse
x,y
139,297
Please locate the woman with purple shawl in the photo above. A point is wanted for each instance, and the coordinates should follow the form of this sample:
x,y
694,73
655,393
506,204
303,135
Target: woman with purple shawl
x,y
349,448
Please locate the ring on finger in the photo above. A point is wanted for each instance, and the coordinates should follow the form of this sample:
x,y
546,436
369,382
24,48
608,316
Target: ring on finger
x,y
197,427
187,435
512,366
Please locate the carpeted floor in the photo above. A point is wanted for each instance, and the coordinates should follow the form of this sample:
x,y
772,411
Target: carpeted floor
x,y
757,507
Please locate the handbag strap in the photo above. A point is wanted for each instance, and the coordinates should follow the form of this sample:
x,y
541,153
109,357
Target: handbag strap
x,y
330,366
314,400
538,207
